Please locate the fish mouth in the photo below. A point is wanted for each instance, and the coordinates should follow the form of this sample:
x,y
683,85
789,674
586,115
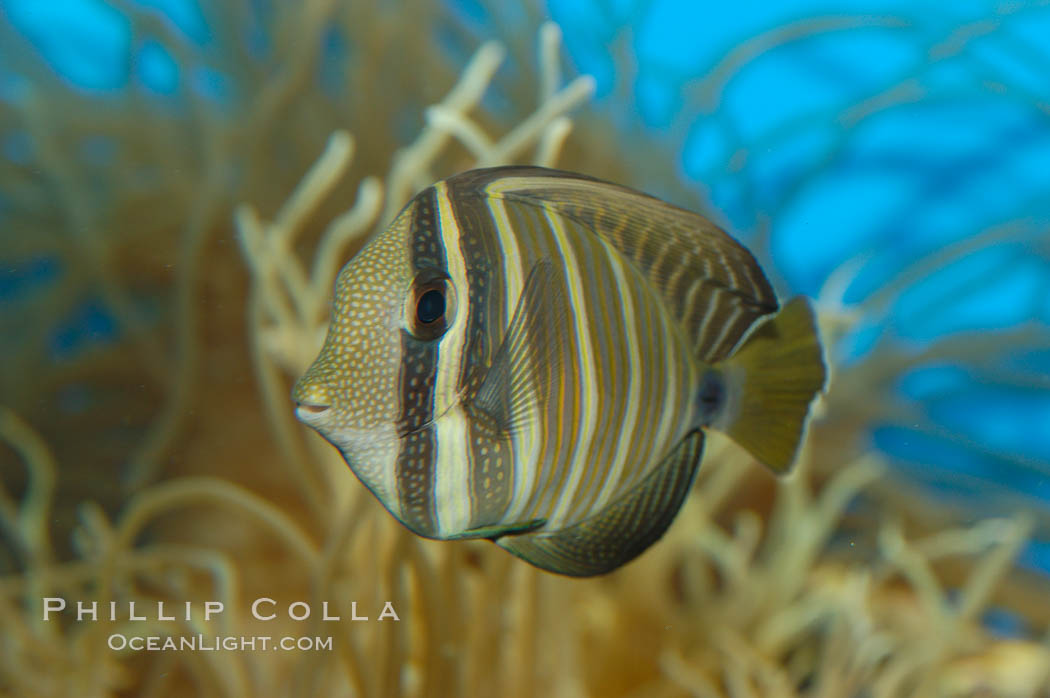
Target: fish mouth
x,y
310,412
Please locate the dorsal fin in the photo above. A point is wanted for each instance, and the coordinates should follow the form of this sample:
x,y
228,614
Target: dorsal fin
x,y
708,280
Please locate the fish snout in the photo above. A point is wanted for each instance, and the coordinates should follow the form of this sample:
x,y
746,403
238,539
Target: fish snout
x,y
313,401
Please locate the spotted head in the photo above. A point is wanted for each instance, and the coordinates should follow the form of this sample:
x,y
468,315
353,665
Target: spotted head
x,y
375,389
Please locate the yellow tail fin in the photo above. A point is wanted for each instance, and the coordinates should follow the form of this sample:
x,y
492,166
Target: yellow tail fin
x,y
778,371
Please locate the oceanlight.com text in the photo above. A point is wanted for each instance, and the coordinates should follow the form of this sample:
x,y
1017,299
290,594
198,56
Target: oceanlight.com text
x,y
205,643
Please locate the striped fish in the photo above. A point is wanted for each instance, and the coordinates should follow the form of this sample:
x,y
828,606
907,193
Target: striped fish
x,y
531,356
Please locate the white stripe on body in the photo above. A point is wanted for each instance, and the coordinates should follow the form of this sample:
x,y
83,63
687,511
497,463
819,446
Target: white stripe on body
x,y
452,503
452,473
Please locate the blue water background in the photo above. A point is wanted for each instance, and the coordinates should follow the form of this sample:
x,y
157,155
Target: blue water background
x,y
869,134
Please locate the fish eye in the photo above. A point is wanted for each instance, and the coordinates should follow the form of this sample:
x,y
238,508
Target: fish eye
x,y
430,307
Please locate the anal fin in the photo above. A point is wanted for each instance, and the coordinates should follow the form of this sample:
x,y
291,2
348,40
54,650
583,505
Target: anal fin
x,y
623,529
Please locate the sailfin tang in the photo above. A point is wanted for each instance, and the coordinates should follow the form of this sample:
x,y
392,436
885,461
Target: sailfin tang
x,y
530,355
623,529
779,370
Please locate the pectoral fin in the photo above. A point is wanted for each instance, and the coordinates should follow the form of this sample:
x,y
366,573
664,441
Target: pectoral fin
x,y
495,531
532,352
623,529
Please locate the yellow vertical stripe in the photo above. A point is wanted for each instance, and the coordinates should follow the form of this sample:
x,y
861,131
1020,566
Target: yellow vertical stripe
x,y
587,393
631,400
526,445
674,410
